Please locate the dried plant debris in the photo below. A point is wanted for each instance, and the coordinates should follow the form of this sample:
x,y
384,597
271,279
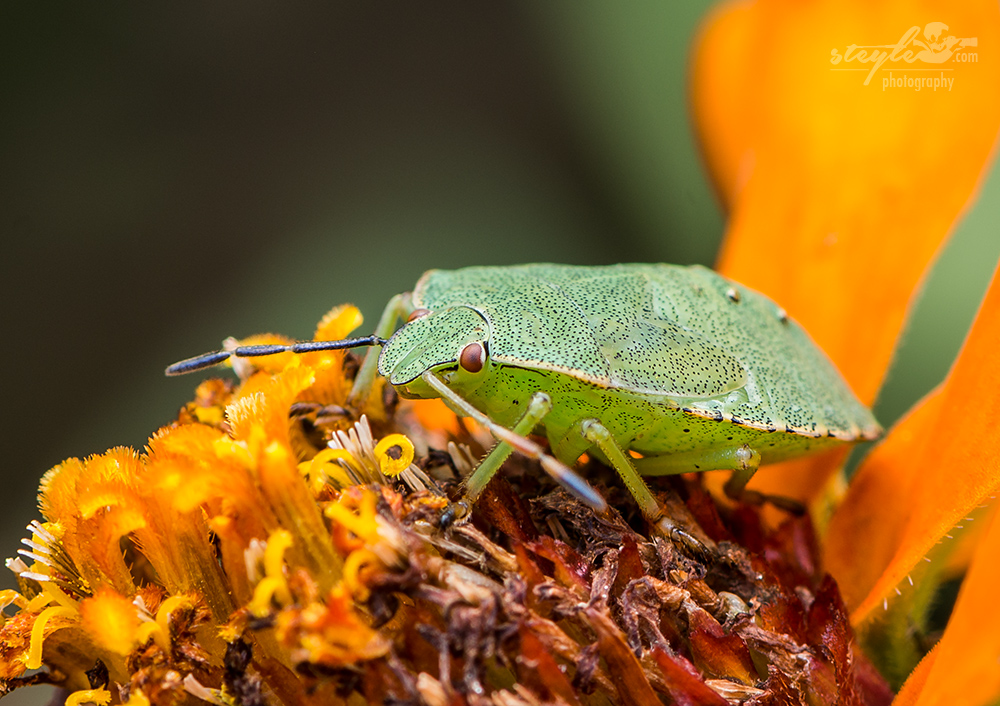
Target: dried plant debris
x,y
269,549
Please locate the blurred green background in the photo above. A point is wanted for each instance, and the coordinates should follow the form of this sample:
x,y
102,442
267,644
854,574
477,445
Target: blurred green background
x,y
173,174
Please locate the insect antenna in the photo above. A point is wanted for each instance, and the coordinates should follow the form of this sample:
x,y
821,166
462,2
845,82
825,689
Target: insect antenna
x,y
207,360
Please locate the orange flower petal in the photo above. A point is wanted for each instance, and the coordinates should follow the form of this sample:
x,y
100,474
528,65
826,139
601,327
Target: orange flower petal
x,y
965,661
840,193
831,202
934,468
95,504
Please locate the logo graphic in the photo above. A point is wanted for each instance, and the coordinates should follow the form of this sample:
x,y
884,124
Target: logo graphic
x,y
936,47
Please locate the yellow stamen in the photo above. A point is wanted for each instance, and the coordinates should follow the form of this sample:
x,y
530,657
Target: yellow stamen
x,y
36,604
11,597
90,696
274,554
137,698
353,565
274,584
162,633
324,465
363,524
395,463
265,591
38,632
150,630
58,595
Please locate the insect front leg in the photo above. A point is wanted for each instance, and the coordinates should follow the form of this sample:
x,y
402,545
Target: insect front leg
x,y
475,484
538,407
398,308
520,443
599,436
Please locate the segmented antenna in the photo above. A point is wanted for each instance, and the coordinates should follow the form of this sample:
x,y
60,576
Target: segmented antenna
x,y
207,360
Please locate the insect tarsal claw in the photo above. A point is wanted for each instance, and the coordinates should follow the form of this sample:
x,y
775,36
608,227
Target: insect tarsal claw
x,y
455,512
703,550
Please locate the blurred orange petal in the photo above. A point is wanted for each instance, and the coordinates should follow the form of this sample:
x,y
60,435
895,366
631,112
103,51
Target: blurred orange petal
x,y
338,323
434,414
967,659
331,385
935,467
840,193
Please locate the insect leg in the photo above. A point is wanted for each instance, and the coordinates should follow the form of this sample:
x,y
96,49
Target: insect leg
x,y
598,435
399,307
748,461
736,488
559,471
475,484
741,460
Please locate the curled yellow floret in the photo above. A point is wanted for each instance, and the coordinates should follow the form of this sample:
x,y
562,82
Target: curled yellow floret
x,y
159,629
394,454
354,564
38,632
137,698
364,524
273,585
269,588
324,466
39,602
11,597
90,696
274,555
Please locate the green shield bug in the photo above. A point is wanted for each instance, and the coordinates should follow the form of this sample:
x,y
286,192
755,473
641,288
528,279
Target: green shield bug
x,y
690,370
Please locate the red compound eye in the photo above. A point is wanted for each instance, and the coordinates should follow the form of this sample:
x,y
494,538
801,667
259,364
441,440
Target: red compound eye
x,y
473,357
416,314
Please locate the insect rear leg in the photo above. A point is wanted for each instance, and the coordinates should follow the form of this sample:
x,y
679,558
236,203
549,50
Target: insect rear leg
x,y
598,435
743,461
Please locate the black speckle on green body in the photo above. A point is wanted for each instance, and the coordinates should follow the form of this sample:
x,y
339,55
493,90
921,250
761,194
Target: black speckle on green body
x,y
666,357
